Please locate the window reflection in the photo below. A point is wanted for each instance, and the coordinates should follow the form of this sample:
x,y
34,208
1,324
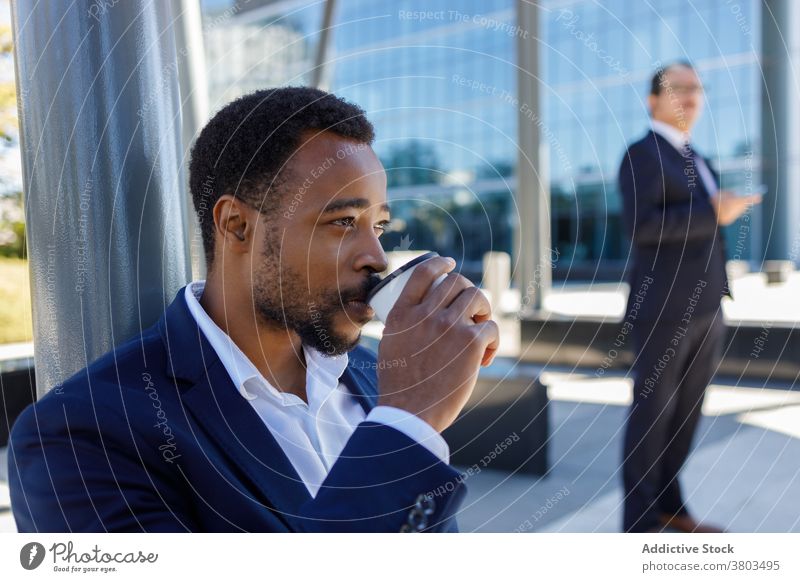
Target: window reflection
x,y
442,94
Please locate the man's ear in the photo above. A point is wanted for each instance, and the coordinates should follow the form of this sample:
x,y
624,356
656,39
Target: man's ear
x,y
234,223
652,100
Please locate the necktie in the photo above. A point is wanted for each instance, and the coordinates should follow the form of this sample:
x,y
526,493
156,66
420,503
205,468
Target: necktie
x,y
693,166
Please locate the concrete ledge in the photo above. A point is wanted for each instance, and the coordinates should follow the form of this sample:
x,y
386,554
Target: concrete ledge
x,y
505,423
752,350
18,389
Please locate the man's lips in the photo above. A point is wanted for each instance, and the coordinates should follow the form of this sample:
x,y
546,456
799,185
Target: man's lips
x,y
356,296
360,307
356,300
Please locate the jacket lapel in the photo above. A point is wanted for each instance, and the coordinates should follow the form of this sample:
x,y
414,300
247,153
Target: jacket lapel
x,y
680,162
220,410
358,382
232,423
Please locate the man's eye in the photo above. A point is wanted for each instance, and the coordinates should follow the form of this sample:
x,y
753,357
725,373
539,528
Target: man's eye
x,y
350,222
347,221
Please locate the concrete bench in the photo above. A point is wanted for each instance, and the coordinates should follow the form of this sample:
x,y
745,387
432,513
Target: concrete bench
x,y
505,423
777,271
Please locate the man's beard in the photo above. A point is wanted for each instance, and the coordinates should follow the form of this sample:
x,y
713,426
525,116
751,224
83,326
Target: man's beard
x,y
282,297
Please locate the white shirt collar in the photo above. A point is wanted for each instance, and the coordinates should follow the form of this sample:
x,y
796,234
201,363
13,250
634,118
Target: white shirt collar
x,y
325,370
677,138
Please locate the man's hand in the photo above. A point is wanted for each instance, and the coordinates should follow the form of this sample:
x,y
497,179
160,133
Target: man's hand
x,y
445,334
729,206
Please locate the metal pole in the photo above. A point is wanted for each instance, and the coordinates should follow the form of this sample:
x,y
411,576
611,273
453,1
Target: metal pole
x,y
533,272
318,78
101,155
193,84
780,127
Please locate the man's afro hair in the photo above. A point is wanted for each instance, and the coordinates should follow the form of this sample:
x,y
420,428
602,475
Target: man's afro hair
x,y
242,151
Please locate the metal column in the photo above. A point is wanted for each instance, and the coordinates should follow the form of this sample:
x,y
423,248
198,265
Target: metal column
x,y
318,77
780,127
193,83
100,120
533,270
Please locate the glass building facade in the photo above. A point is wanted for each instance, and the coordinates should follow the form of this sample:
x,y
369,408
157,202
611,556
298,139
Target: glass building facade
x,y
439,81
597,62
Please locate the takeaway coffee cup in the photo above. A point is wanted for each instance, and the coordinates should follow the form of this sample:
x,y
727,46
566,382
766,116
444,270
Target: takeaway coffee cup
x,y
383,296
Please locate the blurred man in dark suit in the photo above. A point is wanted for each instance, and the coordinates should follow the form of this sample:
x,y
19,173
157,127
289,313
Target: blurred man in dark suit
x,y
673,209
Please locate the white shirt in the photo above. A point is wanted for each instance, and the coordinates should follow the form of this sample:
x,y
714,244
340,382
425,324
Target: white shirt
x,y
678,139
311,435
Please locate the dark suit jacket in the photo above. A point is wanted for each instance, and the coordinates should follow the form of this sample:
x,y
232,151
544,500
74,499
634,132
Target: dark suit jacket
x,y
155,437
676,243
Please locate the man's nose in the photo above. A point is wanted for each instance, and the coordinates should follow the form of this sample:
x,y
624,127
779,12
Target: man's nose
x,y
692,99
370,255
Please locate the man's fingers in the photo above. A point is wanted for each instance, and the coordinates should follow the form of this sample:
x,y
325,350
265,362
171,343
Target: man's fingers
x,y
471,305
474,309
488,356
489,336
422,278
446,292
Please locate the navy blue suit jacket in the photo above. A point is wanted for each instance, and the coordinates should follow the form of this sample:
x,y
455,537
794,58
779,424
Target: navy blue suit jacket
x,y
676,244
154,436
